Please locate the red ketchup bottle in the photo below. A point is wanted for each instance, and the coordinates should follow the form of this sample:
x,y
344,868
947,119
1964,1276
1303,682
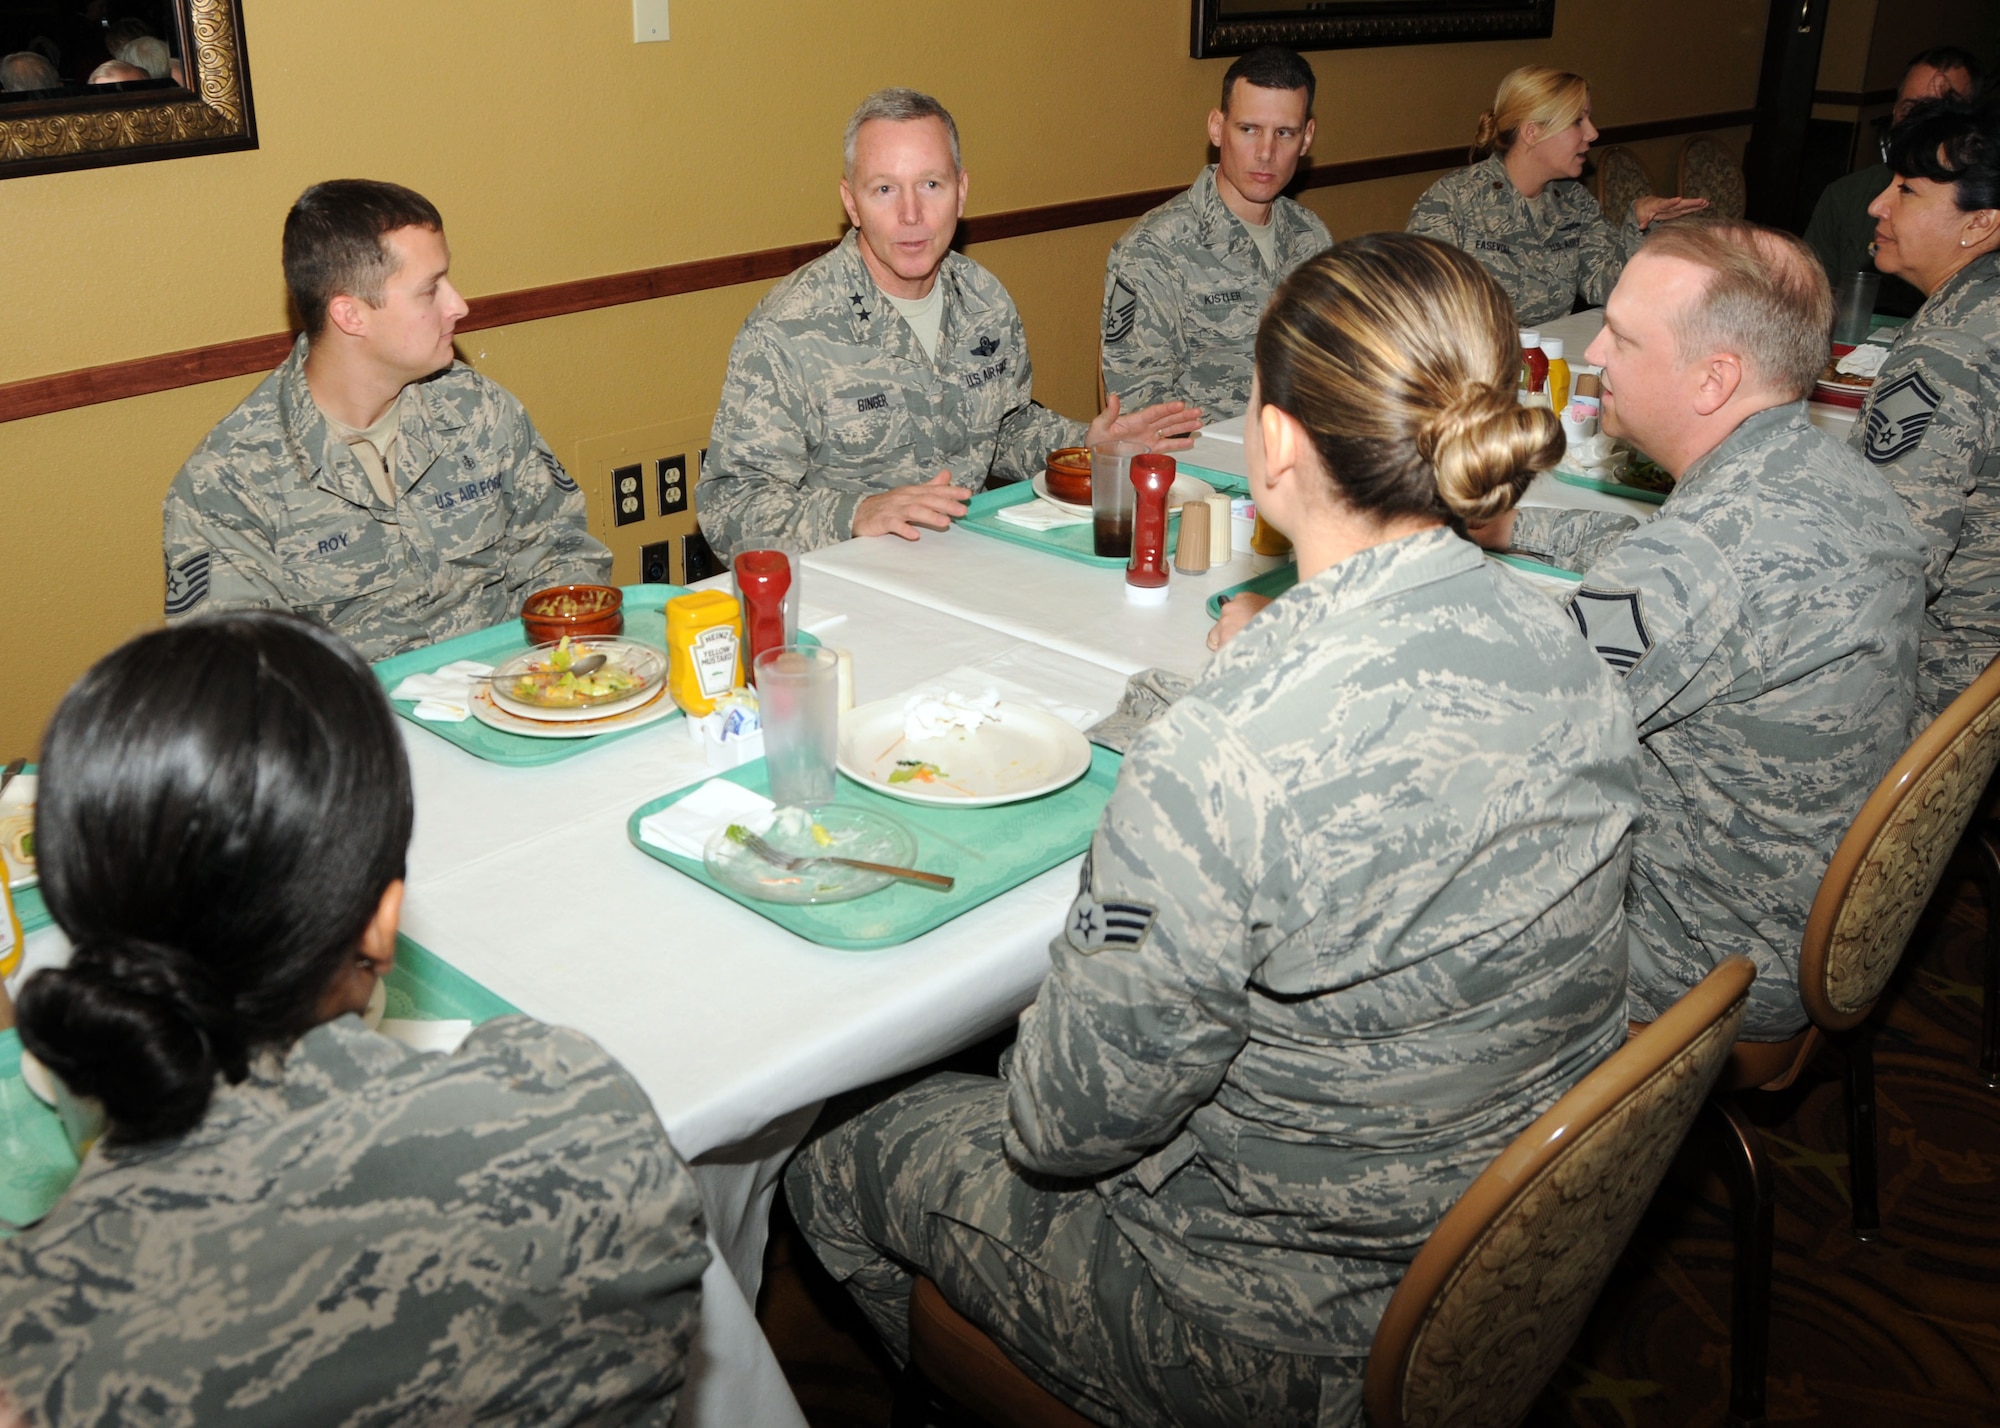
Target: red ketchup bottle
x,y
1534,364
762,578
1146,572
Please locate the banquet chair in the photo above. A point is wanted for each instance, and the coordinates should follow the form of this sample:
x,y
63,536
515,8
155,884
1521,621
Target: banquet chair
x,y
1708,170
1980,851
1494,1299
1876,887
1621,178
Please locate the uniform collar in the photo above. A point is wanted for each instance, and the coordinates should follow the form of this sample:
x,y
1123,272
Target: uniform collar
x,y
333,466
1221,229
1753,431
873,319
1984,268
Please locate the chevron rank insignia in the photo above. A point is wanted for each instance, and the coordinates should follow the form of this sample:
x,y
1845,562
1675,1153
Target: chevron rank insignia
x,y
1121,309
1898,417
1094,926
1613,623
187,583
556,472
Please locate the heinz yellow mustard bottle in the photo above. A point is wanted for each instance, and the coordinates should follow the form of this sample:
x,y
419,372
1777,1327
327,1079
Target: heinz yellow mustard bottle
x,y
704,649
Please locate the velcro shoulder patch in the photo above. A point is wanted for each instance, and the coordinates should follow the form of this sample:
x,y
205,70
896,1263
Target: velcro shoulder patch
x,y
556,473
1614,623
1898,417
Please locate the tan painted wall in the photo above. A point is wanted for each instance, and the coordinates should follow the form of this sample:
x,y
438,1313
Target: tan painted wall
x,y
558,149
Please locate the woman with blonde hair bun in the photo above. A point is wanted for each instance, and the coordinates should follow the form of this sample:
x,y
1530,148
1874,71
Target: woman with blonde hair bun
x,y
1519,209
1352,918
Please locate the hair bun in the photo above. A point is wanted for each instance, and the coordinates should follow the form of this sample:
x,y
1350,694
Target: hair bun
x,y
1486,133
1485,448
130,1023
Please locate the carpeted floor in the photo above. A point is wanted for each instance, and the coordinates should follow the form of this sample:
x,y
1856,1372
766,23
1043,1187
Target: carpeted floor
x,y
1904,1331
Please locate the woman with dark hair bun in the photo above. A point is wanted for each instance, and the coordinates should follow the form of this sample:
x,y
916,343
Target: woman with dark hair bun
x,y
290,1218
1353,917
1932,422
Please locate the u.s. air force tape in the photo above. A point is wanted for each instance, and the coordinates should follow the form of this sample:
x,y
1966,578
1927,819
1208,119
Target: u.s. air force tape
x,y
1095,925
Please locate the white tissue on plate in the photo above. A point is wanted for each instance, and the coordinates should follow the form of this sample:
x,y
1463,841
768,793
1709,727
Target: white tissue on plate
x,y
932,716
1595,452
444,696
1040,515
686,825
1864,361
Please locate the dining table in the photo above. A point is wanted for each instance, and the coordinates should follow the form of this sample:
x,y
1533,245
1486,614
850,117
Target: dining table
x,y
528,881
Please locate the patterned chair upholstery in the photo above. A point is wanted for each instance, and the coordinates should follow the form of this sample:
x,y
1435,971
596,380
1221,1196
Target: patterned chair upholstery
x,y
1875,889
1710,171
1495,1298
1621,178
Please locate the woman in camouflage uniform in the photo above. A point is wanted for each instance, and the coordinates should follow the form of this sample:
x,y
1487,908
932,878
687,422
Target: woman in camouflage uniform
x,y
1352,918
1519,209
1932,423
294,1220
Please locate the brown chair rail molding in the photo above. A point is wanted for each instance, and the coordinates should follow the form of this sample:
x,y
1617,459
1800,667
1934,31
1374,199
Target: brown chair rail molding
x,y
114,381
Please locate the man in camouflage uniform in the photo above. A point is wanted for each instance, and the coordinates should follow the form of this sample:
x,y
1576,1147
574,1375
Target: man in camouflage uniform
x,y
1765,620
359,1233
1185,285
372,481
1352,918
876,389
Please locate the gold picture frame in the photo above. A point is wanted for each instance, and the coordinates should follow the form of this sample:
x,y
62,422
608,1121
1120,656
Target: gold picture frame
x,y
212,115
1230,27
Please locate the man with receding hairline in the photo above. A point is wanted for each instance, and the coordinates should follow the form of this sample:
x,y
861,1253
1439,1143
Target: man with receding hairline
x,y
1765,620
373,481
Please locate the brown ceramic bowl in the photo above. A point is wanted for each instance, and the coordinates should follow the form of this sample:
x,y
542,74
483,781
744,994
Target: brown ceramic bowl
x,y
573,610
1068,474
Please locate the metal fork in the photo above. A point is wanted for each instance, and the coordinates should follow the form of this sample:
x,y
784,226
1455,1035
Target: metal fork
x,y
792,865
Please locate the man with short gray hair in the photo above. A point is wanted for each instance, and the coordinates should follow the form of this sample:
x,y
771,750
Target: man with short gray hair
x,y
25,71
1765,621
876,389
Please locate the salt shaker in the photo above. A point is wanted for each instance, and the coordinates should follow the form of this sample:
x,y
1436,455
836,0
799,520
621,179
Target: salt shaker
x,y
1191,552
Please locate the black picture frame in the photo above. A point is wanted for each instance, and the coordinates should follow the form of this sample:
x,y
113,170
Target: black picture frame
x,y
1358,24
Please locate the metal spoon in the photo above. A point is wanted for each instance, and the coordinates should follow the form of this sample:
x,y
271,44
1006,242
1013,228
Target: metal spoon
x,y
14,766
589,664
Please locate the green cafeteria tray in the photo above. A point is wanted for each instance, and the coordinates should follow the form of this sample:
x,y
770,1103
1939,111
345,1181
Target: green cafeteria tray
x,y
1610,488
1070,542
645,623
988,851
1276,581
38,1164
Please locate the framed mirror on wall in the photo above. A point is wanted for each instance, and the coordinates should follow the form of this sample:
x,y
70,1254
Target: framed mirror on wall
x,y
1229,27
84,83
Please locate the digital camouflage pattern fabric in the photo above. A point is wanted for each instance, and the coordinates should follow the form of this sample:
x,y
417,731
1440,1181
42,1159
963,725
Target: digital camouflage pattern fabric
x,y
1183,290
365,1235
1352,918
274,512
829,399
1765,622
1546,252
1932,427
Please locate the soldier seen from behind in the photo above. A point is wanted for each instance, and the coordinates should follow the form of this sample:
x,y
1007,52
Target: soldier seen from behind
x,y
372,481
1185,285
1764,621
291,1218
1382,840
1932,422
1520,210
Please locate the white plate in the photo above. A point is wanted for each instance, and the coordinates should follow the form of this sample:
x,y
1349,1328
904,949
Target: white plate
x,y
494,717
17,815
1185,488
1027,753
642,661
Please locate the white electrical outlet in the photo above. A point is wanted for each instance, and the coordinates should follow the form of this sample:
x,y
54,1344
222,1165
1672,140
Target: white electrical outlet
x,y
649,20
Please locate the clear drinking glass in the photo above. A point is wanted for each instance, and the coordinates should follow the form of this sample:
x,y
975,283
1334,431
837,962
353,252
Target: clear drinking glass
x,y
1112,500
798,695
1854,307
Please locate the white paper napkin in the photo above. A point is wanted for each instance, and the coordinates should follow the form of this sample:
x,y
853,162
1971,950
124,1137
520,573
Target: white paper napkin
x,y
973,683
686,825
1864,361
1040,515
442,1036
444,696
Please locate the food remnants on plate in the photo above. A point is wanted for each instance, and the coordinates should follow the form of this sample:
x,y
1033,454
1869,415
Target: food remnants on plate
x,y
577,675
